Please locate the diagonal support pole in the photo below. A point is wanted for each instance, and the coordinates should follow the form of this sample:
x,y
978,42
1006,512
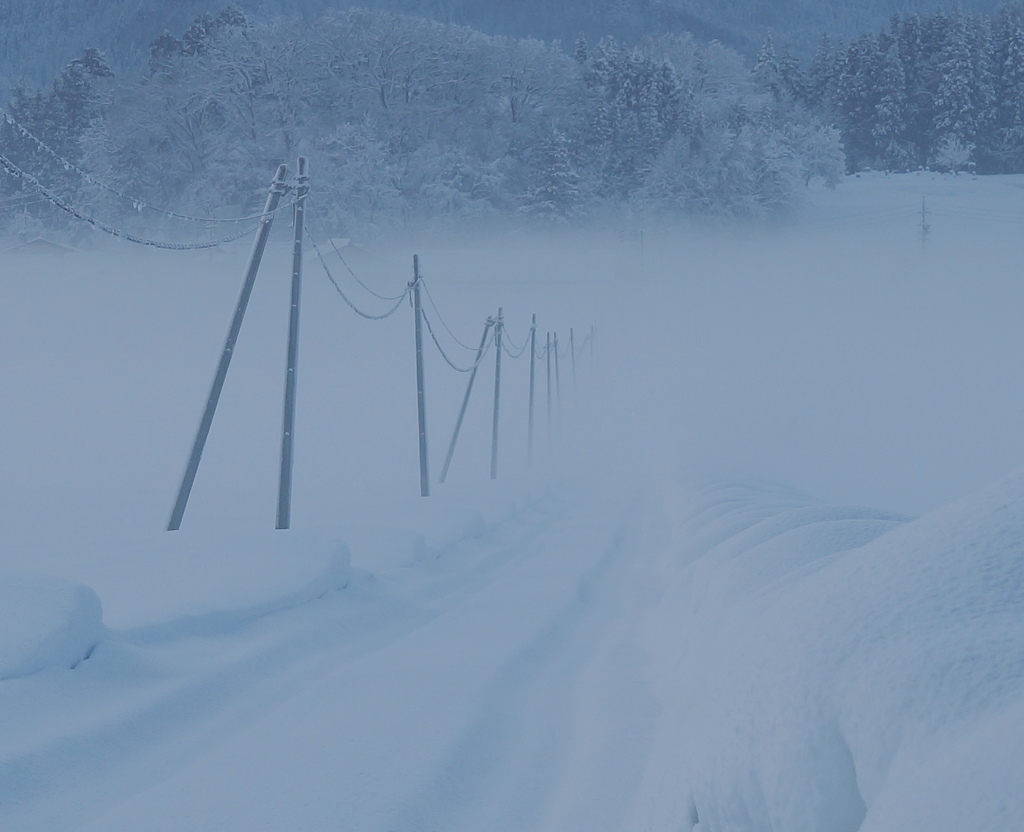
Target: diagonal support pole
x,y
277,189
465,399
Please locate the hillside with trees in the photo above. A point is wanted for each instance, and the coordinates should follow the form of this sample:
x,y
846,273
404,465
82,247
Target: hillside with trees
x,y
39,37
941,92
409,121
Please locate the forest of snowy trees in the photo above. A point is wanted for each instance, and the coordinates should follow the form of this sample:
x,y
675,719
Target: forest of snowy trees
x,y
942,92
409,121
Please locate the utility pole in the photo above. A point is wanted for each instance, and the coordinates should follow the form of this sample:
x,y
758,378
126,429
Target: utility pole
x,y
284,492
547,378
533,376
499,326
277,189
421,400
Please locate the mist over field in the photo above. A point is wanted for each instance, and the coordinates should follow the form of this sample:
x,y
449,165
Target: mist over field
x,y
842,353
655,460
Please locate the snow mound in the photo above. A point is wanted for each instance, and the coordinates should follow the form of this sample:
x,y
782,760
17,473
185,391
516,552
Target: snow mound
x,y
196,583
45,622
840,669
185,584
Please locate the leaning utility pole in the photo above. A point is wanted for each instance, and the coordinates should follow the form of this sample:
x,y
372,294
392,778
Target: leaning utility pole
x,y
277,189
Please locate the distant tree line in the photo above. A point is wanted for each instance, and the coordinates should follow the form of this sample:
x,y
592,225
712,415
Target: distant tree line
x,y
408,120
941,92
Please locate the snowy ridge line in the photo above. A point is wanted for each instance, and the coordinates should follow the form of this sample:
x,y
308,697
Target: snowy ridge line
x,y
301,584
65,206
137,204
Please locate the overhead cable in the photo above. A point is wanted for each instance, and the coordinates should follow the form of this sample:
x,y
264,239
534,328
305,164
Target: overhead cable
x,y
65,206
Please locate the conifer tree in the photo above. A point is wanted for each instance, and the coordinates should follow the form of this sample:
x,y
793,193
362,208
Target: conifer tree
x,y
890,121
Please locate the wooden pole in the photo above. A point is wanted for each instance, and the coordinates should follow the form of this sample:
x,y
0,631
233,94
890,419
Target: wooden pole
x,y
277,189
284,491
421,400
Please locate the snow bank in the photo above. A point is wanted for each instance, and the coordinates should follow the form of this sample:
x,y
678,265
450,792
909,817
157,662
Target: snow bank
x,y
45,622
385,538
839,669
188,583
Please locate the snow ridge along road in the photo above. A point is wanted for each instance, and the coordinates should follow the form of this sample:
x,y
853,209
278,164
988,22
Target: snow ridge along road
x,y
481,689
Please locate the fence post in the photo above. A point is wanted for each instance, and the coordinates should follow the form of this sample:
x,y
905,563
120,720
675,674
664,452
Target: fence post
x,y
465,399
421,401
533,374
284,490
498,327
277,189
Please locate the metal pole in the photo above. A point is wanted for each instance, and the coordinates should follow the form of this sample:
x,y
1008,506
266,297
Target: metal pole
x,y
547,356
421,401
284,491
498,327
572,353
277,189
533,375
465,399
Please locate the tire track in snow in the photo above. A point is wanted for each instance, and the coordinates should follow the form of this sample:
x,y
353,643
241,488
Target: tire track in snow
x,y
113,738
536,755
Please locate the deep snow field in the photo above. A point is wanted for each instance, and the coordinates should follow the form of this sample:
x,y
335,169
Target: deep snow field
x,y
765,571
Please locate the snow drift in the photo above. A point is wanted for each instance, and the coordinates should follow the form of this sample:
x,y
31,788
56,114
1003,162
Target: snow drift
x,y
841,669
45,622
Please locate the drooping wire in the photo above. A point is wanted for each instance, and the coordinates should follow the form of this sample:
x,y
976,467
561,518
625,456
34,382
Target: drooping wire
x,y
444,355
513,342
344,297
448,329
355,277
514,352
137,204
65,206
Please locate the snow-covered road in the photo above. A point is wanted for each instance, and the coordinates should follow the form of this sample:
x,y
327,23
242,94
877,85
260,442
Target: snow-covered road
x,y
500,686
